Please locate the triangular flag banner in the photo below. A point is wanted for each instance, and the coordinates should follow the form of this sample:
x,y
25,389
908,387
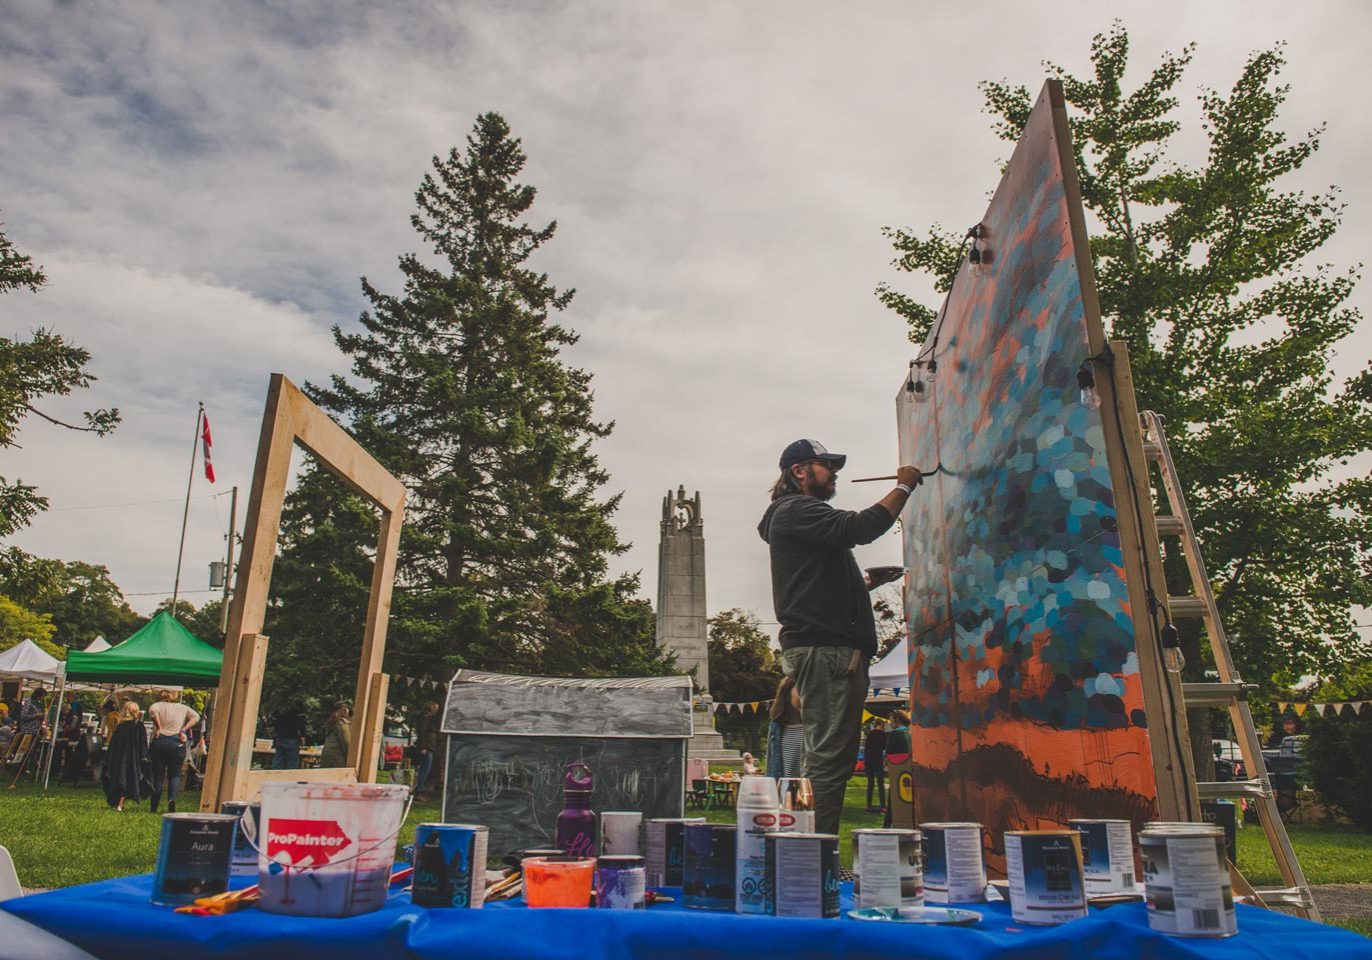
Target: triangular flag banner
x,y
868,716
1301,708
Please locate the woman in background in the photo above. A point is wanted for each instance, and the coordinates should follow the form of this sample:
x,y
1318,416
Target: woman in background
x,y
171,720
897,751
786,734
125,755
337,737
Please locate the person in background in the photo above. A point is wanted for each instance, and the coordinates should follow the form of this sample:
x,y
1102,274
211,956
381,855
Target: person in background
x,y
786,732
874,764
289,731
1288,726
4,712
427,736
32,722
897,751
6,736
749,765
77,707
109,711
127,752
337,737
171,720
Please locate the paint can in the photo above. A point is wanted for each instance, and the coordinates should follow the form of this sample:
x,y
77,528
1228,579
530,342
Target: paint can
x,y
1107,854
954,867
1046,881
620,883
1187,880
249,815
888,868
449,865
194,855
708,878
759,812
666,859
620,834
797,798
802,875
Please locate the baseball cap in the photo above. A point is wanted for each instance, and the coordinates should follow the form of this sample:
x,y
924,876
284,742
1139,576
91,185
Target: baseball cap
x,y
803,450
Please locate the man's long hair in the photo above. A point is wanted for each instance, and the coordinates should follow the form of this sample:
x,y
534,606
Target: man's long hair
x,y
786,485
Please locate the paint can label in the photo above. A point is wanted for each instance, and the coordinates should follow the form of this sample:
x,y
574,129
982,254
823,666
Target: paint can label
x,y
1187,881
954,867
1107,854
888,868
620,883
709,873
801,875
620,834
249,815
449,865
1045,874
667,851
193,857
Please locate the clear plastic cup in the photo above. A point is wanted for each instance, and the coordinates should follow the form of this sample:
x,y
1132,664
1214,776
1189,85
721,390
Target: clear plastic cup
x,y
550,882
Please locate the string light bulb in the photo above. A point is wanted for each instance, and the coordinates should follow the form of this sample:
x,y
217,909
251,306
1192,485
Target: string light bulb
x,y
1086,384
933,369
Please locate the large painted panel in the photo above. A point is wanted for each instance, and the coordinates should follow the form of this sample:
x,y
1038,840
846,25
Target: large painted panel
x,y
1025,688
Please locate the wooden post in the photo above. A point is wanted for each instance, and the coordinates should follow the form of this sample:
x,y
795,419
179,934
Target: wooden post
x,y
368,742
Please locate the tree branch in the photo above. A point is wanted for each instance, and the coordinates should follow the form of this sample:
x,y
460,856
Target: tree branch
x,y
61,423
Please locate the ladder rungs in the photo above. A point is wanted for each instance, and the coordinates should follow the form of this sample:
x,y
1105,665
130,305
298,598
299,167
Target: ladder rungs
x,y
1169,526
1188,607
1286,897
1215,694
1258,789
1153,451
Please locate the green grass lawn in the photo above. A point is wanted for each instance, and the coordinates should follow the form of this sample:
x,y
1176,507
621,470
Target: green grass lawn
x,y
71,836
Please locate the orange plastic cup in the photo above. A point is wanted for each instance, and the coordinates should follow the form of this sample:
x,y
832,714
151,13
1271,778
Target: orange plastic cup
x,y
550,882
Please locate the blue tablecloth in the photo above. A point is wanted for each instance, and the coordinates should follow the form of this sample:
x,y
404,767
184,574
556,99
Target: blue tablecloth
x,y
114,920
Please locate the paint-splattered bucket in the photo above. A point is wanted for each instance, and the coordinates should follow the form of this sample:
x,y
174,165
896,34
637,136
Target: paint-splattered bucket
x,y
326,848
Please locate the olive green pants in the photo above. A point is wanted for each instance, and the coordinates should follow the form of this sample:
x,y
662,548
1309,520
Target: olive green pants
x,y
832,690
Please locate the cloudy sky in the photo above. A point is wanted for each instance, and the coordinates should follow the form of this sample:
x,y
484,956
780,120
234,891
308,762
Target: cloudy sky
x,y
205,184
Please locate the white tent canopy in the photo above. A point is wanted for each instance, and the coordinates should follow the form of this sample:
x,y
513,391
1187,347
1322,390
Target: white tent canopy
x,y
98,645
891,672
26,660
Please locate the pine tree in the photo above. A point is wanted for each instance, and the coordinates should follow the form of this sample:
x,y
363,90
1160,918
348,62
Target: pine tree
x,y
459,388
1205,272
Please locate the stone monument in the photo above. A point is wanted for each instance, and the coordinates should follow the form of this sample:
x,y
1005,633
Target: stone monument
x,y
681,616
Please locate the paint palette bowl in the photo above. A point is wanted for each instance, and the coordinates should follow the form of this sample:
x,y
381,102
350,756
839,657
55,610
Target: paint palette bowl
x,y
942,916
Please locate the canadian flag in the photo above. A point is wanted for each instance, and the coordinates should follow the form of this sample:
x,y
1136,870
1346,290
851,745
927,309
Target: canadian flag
x,y
205,445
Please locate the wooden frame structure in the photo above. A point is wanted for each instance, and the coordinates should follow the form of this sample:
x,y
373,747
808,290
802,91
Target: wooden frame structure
x,y
291,418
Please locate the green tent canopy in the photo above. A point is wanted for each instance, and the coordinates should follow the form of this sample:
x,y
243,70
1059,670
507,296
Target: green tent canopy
x,y
163,652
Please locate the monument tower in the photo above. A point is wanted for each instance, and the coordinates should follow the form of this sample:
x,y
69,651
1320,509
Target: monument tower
x,y
681,626
681,617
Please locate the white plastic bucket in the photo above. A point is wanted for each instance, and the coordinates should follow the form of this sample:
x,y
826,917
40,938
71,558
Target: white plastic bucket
x,y
326,849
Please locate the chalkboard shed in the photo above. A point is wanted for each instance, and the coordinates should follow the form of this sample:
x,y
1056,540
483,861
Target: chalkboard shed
x,y
510,739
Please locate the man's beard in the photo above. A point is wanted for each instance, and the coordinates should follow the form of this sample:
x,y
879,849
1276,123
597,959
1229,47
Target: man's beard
x,y
820,492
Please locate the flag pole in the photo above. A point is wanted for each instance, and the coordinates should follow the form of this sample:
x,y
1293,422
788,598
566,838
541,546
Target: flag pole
x,y
185,514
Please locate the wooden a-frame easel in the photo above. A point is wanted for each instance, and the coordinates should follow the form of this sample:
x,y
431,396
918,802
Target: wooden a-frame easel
x,y
291,418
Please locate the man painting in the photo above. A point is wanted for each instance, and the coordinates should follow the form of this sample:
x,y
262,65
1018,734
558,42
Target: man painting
x,y
828,633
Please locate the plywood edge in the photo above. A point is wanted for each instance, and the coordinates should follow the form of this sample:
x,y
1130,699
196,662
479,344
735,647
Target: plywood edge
x,y
254,780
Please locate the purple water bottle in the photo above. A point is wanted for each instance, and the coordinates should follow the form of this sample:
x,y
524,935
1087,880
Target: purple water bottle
x,y
576,825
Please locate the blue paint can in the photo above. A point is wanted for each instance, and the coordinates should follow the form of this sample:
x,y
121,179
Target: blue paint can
x,y
194,855
708,877
620,883
667,850
449,865
248,815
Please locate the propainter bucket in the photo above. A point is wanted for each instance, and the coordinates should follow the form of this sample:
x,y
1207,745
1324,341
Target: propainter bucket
x,y
326,848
